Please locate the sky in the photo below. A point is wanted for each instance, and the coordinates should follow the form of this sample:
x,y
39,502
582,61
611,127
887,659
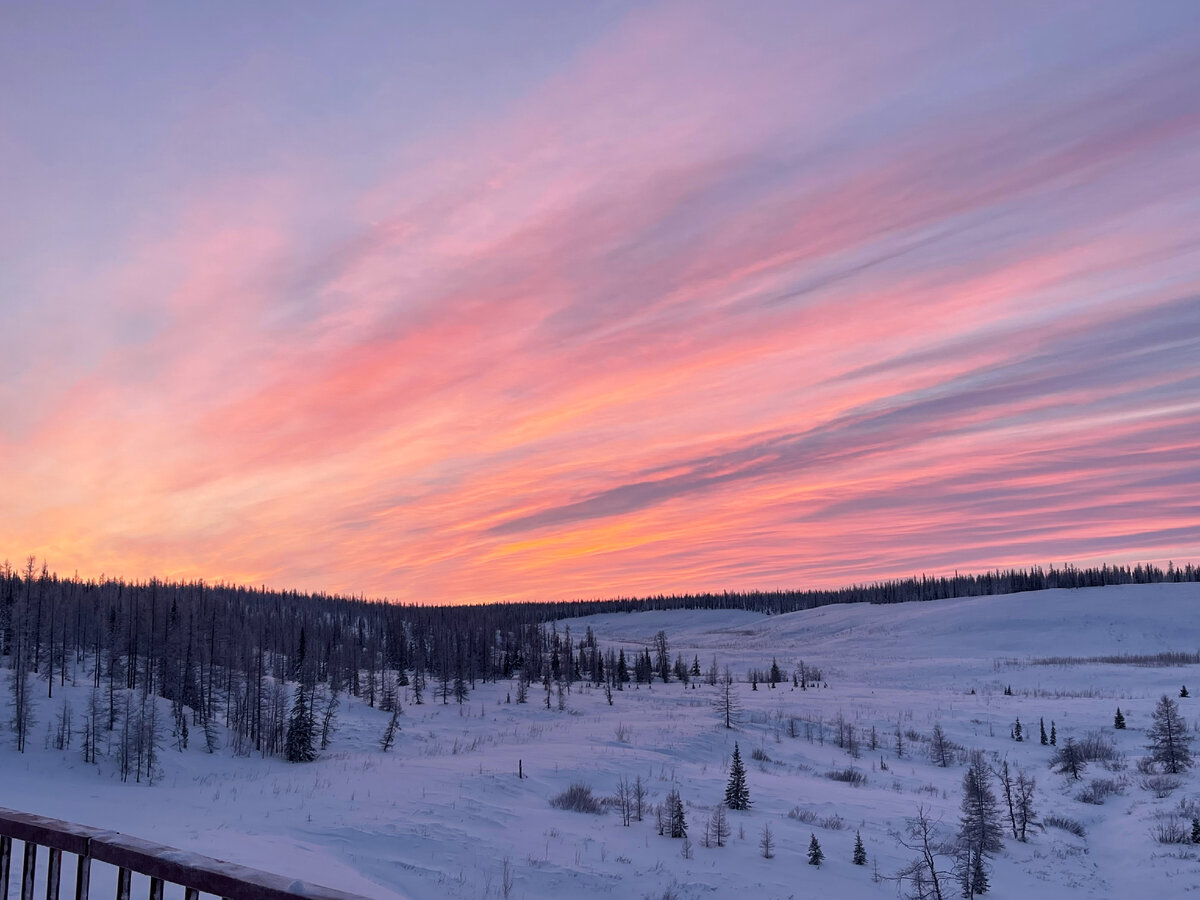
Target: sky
x,y
475,301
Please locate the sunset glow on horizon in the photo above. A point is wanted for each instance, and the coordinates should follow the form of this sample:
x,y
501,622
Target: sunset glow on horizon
x,y
467,303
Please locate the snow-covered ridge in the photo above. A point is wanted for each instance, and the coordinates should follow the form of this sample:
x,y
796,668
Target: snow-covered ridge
x,y
440,814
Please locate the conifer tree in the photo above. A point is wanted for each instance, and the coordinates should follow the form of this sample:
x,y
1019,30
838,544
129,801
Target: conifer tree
x,y
979,831
1170,743
727,704
815,855
389,733
972,873
940,748
860,852
299,743
766,842
676,824
1183,691
737,795
1053,734
1196,831
1119,720
1042,726
1070,759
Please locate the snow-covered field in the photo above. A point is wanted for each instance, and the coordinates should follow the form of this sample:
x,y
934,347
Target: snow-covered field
x,y
439,816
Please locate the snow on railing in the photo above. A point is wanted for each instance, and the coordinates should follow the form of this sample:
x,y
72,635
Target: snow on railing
x,y
196,874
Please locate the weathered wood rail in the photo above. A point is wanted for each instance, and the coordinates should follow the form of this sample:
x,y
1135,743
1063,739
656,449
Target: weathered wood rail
x,y
196,874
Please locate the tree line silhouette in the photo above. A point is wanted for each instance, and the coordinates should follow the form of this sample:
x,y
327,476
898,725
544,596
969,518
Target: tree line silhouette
x,y
222,653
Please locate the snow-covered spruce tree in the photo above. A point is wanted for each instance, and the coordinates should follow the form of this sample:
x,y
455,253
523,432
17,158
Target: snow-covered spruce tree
x,y
676,824
300,744
1119,720
1170,745
816,855
737,794
1042,724
1196,831
860,852
979,829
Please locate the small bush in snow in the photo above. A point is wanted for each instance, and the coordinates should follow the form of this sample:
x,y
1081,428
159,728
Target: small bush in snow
x,y
833,822
849,776
807,816
1171,829
1100,788
760,755
1065,824
578,798
1096,746
1160,785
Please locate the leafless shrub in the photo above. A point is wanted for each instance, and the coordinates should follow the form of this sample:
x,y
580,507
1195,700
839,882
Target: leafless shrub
x,y
848,775
807,816
1171,829
1100,788
1189,807
578,798
759,754
1150,660
1068,825
1161,786
1096,746
833,822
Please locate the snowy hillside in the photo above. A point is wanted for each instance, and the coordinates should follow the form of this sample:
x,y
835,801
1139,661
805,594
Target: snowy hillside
x,y
444,813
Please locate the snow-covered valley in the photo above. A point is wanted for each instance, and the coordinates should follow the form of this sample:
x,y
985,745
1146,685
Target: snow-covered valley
x,y
443,814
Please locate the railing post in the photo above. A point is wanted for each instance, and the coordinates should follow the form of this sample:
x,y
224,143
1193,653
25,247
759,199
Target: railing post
x,y
156,889
28,870
124,881
5,863
83,877
191,894
53,871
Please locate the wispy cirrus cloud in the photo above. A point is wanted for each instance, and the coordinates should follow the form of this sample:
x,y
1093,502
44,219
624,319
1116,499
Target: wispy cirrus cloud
x,y
684,308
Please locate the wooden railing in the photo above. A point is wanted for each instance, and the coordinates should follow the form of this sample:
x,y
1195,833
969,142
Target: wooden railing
x,y
162,865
